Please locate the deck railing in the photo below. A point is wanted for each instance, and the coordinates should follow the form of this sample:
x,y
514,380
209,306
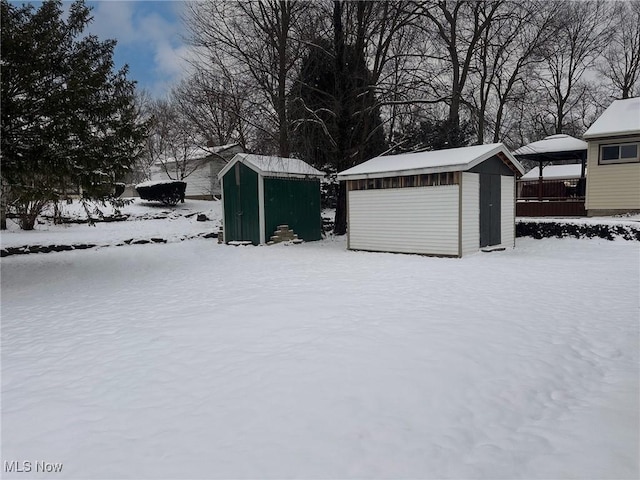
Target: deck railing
x,y
553,189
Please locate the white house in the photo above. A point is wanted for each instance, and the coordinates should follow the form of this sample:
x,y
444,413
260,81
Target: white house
x,y
202,165
445,203
613,160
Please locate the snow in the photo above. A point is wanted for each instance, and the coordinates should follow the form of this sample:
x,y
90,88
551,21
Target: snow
x,y
553,144
622,117
625,220
151,183
554,172
450,160
172,224
199,360
273,166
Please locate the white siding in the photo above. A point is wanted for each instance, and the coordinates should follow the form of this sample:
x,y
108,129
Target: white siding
x,y
613,186
470,213
405,220
198,182
507,212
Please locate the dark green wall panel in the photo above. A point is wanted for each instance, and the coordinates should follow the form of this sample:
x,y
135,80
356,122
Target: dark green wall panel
x,y
294,202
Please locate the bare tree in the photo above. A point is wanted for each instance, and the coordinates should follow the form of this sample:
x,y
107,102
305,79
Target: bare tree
x,y
621,60
509,51
583,33
253,40
215,107
458,27
172,143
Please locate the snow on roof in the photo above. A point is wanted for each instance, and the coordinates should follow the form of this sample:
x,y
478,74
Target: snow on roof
x,y
554,171
271,166
622,117
553,144
221,148
197,152
450,160
151,183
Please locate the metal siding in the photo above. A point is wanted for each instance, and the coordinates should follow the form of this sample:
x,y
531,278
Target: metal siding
x,y
507,204
241,219
405,220
294,202
470,213
612,186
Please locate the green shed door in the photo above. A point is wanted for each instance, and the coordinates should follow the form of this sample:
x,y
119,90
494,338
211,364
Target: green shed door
x,y
241,213
294,202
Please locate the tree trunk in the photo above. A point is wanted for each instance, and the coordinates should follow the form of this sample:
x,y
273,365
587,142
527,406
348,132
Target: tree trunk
x,y
3,206
340,226
283,137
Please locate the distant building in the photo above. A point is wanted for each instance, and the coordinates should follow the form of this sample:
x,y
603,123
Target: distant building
x,y
613,160
202,165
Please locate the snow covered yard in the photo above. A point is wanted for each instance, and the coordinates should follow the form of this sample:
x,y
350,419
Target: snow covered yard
x,y
199,360
145,220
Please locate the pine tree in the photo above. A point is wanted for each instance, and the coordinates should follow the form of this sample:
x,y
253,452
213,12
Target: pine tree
x,y
69,119
334,111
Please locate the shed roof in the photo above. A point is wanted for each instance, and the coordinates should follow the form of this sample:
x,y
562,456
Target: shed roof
x,y
450,160
554,172
270,166
622,117
558,143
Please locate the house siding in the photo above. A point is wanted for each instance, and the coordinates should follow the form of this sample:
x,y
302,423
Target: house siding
x,y
198,182
612,186
470,213
420,220
507,209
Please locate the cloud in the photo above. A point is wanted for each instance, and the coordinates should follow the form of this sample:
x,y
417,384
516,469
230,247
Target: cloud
x,y
113,20
149,39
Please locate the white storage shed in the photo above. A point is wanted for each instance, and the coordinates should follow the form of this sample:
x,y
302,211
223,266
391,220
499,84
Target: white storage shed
x,y
445,203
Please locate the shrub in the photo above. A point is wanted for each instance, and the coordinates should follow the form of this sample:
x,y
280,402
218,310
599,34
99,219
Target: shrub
x,y
561,229
168,192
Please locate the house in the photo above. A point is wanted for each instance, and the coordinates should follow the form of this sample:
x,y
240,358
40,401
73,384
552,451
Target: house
x,y
446,202
202,166
613,160
261,193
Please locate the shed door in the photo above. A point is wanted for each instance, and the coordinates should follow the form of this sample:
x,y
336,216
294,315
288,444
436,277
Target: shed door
x,y
241,216
490,186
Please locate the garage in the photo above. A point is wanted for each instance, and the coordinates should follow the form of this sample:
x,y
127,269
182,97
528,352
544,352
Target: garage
x,y
446,203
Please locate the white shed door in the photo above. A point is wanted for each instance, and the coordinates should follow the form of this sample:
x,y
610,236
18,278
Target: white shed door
x,y
405,220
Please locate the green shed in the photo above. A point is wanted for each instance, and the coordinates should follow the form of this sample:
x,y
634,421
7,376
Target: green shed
x,y
260,192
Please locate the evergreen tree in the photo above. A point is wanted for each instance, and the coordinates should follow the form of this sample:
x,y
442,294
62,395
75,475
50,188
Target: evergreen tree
x,y
69,120
335,118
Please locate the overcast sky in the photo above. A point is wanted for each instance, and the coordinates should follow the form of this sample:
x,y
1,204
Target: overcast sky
x,y
149,35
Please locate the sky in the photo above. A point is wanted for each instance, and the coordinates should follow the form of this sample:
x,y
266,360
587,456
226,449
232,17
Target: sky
x,y
150,40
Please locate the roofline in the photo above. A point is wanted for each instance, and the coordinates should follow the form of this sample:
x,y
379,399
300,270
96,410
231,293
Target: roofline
x,y
244,159
533,154
607,136
499,148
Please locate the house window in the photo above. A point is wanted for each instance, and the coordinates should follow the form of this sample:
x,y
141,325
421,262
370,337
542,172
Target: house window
x,y
619,153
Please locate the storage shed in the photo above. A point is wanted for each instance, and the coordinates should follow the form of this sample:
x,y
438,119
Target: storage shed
x,y
259,193
446,202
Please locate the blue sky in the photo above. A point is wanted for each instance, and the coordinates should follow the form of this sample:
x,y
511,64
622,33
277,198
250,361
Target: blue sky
x,y
149,35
